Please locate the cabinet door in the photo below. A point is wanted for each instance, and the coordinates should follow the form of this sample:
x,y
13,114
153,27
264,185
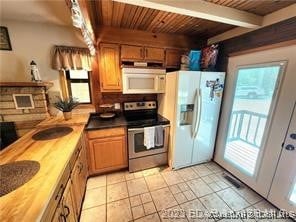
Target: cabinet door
x,y
76,186
68,204
108,154
132,53
83,170
110,75
58,215
173,58
154,54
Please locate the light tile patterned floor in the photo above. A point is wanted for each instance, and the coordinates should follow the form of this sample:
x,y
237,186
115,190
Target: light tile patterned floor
x,y
157,194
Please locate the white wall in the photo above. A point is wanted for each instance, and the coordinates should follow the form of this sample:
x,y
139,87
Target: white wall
x,y
34,41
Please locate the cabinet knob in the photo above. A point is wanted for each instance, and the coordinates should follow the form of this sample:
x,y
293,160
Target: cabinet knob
x,y
60,192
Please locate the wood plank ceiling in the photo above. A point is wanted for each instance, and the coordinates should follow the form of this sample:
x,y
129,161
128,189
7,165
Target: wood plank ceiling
x,y
121,15
258,7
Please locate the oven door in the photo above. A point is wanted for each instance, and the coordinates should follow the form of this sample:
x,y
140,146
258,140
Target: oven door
x,y
136,143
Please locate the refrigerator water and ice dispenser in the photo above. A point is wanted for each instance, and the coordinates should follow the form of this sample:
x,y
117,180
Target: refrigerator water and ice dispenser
x,y
186,114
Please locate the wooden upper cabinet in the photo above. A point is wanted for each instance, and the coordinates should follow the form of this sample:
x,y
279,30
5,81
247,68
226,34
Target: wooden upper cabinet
x,y
140,53
154,54
132,53
173,58
110,75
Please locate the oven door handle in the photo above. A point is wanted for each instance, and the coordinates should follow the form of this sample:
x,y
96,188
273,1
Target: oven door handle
x,y
141,129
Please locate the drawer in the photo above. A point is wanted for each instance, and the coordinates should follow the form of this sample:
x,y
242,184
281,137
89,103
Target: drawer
x,y
103,133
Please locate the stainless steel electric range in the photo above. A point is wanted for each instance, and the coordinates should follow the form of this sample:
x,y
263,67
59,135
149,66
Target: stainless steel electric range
x,y
139,115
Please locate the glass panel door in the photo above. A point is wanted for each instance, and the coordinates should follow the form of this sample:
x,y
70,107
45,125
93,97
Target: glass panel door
x,y
252,102
293,195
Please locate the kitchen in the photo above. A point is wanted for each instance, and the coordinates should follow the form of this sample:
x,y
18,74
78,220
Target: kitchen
x,y
147,110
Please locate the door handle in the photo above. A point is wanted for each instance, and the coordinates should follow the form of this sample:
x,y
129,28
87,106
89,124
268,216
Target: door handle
x,y
293,136
194,120
199,113
68,211
290,147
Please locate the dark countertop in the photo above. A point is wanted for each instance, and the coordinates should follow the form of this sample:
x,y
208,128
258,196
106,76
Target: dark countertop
x,y
95,122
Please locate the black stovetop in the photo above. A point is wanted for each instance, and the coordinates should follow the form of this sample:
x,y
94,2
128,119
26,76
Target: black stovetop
x,y
146,121
130,121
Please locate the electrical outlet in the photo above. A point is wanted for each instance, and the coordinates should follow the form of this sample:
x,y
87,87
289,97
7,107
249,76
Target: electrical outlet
x,y
116,105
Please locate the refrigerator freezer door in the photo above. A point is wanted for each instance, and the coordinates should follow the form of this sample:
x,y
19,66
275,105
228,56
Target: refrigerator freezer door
x,y
188,83
211,88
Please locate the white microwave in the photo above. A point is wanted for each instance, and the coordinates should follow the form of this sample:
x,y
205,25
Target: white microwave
x,y
141,81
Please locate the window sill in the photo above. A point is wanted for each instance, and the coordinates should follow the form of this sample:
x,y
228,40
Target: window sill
x,y
84,108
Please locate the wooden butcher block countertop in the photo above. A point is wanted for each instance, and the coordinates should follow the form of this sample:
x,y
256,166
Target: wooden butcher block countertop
x,y
77,119
28,202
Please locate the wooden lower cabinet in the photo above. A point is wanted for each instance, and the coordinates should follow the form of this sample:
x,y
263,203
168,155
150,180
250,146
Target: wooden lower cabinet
x,y
65,210
71,192
68,203
79,178
107,151
58,214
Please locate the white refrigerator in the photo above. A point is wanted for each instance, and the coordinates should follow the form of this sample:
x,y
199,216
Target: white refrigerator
x,y
191,102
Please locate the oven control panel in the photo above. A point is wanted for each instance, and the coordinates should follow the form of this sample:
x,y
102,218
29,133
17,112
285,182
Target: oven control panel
x,y
140,105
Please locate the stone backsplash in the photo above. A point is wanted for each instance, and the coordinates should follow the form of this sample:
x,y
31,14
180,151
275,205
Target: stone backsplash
x,y
24,119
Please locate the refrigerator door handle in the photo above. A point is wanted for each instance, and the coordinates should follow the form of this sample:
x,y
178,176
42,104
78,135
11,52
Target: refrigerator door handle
x,y
194,120
198,113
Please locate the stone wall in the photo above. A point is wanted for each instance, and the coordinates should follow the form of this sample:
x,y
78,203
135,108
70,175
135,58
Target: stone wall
x,y
25,119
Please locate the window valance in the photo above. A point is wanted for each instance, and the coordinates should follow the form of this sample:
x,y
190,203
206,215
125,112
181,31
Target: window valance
x,y
71,58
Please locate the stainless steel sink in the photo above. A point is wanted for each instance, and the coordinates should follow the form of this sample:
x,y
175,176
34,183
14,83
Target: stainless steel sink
x,y
52,133
16,174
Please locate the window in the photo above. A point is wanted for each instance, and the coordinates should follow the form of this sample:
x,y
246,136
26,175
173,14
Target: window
x,y
293,195
78,82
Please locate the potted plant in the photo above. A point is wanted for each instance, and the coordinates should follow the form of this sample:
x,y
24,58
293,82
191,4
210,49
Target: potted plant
x,y
66,106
